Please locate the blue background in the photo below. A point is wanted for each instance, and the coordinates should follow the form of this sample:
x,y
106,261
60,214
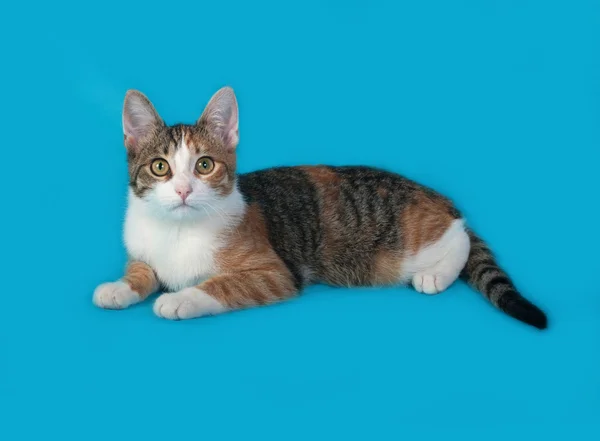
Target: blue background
x,y
493,103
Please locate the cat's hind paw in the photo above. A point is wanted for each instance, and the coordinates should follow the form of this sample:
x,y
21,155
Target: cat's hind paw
x,y
115,295
431,283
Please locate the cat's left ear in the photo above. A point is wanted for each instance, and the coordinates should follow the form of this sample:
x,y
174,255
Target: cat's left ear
x,y
221,118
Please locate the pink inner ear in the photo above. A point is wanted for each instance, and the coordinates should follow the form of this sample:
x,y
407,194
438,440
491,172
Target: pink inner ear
x,y
131,127
130,142
232,139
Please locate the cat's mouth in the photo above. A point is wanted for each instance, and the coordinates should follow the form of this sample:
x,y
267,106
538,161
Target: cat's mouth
x,y
183,206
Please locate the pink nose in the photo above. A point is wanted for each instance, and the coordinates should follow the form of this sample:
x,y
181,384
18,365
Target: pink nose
x,y
183,192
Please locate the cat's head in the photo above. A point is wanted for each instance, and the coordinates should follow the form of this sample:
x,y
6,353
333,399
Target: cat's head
x,y
181,171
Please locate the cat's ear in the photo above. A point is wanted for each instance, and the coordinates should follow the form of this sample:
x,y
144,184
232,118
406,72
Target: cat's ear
x,y
140,119
221,117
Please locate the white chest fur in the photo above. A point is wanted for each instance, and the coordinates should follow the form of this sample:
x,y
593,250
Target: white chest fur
x,y
181,254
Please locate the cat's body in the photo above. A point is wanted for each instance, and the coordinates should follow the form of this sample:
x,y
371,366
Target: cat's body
x,y
220,241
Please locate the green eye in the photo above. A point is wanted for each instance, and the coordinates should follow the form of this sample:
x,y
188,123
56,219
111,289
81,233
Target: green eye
x,y
160,167
205,165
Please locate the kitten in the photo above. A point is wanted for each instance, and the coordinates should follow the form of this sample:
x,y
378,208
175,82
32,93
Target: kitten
x,y
218,241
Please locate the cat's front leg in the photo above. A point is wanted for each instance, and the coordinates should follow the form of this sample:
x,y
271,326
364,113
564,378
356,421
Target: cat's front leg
x,y
225,293
138,283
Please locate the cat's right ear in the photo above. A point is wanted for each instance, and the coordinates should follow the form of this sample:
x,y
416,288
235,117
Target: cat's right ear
x,y
140,119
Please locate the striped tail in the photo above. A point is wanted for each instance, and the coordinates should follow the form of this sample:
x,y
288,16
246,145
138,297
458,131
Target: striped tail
x,y
484,275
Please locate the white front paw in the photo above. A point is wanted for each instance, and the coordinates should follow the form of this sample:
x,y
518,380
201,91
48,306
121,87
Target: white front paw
x,y
186,304
115,295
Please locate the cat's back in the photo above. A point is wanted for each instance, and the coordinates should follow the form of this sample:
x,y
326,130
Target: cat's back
x,y
305,189
306,181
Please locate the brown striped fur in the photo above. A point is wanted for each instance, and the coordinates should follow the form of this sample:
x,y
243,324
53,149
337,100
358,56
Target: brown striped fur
x,y
424,220
141,279
251,272
386,268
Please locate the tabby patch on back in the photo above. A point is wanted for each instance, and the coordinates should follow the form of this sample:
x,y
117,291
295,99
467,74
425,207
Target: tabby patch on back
x,y
217,241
